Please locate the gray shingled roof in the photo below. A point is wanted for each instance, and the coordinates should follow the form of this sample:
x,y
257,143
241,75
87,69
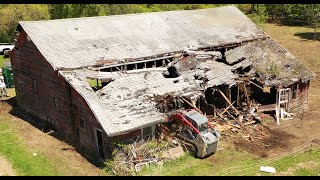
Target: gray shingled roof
x,y
274,64
79,42
126,103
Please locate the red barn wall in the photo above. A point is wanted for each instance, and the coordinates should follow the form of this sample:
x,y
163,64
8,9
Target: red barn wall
x,y
29,64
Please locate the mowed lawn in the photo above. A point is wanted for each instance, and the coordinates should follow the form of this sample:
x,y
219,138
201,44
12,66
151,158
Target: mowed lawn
x,y
2,60
24,161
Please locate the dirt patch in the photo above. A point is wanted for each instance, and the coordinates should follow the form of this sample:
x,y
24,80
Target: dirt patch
x,y
276,140
6,168
293,133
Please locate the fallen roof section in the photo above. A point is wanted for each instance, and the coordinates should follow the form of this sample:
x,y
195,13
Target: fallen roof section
x,y
126,104
273,63
89,41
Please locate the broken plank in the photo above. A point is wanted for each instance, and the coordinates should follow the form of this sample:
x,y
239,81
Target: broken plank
x,y
226,109
190,104
238,96
255,137
235,126
246,94
228,101
220,115
248,123
264,89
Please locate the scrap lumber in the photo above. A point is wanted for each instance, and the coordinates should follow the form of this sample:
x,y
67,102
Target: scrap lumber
x,y
220,115
263,89
248,123
190,104
235,126
226,109
238,97
224,96
246,94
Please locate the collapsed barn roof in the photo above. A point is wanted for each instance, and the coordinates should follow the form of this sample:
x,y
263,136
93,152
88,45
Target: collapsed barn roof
x,y
128,102
80,42
273,63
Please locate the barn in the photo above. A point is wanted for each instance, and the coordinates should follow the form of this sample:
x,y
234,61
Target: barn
x,y
98,80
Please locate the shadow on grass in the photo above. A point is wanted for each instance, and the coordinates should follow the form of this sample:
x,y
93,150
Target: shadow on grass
x,y
49,129
308,35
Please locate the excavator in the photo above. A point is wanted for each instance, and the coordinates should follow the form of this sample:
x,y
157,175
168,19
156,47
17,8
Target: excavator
x,y
194,130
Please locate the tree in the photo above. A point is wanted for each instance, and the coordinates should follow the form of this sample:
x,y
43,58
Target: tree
x,y
60,11
313,16
11,14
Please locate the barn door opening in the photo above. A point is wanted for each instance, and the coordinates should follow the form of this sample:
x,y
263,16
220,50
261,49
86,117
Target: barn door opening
x,y
99,141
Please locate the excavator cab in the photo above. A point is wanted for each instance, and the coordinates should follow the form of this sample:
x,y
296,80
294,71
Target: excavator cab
x,y
197,132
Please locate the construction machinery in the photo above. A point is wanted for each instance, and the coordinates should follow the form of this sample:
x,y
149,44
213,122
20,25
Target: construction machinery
x,y
194,129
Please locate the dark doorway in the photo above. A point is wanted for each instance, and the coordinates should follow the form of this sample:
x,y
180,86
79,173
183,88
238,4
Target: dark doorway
x,y
100,143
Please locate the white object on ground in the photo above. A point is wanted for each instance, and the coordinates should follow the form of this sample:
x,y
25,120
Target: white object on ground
x,y
268,169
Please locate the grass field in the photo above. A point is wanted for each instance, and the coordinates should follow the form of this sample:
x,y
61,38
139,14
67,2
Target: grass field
x,y
24,161
230,162
3,60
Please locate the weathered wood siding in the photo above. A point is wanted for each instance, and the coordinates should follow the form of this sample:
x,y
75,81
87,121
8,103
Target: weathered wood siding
x,y
300,103
87,136
28,64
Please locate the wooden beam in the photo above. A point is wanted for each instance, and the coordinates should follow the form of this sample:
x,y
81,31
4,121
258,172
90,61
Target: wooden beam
x,y
226,109
246,94
238,97
190,104
221,116
224,96
263,89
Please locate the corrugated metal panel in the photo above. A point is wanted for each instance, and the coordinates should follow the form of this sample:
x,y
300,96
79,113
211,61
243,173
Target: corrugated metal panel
x,y
77,42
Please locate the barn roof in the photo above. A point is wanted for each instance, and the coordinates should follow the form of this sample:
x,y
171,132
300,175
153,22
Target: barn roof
x,y
81,42
127,103
274,64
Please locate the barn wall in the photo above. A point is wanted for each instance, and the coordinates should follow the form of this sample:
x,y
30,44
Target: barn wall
x,y
300,103
30,66
87,136
37,84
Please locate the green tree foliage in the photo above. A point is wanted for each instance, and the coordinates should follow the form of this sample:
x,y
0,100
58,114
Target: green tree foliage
x,y
289,14
313,15
11,14
59,11
258,13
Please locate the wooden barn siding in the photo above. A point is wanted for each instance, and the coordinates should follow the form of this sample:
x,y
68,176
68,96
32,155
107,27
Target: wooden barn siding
x,y
300,104
87,135
28,63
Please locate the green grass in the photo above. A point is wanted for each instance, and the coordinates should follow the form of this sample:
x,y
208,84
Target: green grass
x,y
93,83
3,60
237,163
23,161
190,166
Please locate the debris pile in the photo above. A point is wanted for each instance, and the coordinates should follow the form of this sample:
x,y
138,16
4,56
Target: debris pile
x,y
131,158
